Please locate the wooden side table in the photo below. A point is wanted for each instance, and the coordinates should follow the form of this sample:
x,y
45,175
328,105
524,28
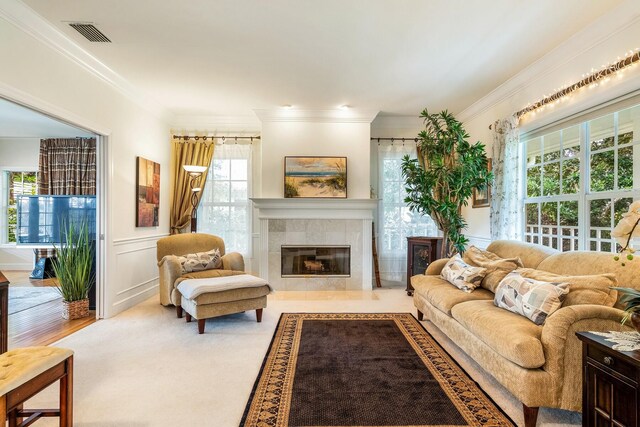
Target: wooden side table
x,y
421,251
4,310
610,383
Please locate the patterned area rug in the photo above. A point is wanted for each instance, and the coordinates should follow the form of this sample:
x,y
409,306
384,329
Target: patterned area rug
x,y
362,370
22,298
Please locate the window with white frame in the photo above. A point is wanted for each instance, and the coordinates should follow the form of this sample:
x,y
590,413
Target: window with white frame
x,y
580,180
224,208
15,183
396,222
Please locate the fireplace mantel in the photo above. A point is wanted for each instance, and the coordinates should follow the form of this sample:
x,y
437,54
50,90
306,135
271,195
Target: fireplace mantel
x,y
333,221
279,208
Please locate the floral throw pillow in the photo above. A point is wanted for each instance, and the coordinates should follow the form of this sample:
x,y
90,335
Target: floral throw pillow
x,y
200,261
534,299
462,275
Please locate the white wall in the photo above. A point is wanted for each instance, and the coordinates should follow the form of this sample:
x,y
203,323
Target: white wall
x,y
294,138
42,76
609,37
17,154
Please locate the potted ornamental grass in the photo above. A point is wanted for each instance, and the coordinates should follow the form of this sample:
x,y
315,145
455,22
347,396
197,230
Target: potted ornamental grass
x,y
73,268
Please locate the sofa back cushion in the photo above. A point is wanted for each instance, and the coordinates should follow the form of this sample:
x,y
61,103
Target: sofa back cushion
x,y
531,255
497,268
591,289
589,263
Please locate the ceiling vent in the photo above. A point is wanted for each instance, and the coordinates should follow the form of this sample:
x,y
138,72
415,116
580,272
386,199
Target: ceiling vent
x,y
90,32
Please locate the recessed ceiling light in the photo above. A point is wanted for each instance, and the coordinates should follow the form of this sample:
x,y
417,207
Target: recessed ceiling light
x,y
287,106
344,107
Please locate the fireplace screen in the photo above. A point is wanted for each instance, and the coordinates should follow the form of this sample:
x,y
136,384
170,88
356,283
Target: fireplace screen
x,y
300,261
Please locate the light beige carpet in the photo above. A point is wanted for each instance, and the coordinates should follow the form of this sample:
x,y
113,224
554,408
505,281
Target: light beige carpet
x,y
145,367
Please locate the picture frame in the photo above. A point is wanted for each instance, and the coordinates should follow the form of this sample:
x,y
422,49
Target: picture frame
x,y
482,198
315,177
147,193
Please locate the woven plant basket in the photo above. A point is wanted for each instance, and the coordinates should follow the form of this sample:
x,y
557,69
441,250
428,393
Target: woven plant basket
x,y
75,309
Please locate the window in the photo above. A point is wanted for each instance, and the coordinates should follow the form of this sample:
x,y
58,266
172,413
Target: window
x,y
580,180
17,184
224,208
396,222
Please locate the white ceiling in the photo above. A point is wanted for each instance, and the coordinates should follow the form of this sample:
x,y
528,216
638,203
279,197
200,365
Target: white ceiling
x,y
228,57
17,121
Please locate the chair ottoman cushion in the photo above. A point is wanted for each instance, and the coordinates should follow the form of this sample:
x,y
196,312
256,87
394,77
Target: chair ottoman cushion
x,y
232,295
512,336
192,288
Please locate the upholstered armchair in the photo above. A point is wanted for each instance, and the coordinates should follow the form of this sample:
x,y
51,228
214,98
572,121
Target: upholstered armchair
x,y
168,250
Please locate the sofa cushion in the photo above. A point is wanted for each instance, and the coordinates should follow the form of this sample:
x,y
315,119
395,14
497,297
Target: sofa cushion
x,y
530,254
439,293
497,267
534,299
462,275
593,289
510,335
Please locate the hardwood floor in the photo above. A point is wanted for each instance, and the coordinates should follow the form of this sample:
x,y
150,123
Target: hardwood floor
x,y
43,324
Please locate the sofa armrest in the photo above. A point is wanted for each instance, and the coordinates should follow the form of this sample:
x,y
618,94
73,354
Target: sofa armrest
x,y
170,270
233,261
436,267
563,350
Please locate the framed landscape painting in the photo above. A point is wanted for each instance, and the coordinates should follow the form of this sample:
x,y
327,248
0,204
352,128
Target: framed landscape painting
x,y
482,198
315,177
147,193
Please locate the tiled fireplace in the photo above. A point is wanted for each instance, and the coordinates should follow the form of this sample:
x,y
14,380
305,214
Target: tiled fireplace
x,y
316,244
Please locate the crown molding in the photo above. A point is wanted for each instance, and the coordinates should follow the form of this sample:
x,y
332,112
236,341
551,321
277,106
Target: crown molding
x,y
316,116
215,122
607,26
29,21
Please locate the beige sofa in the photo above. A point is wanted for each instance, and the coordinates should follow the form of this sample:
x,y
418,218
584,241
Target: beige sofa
x,y
540,365
182,244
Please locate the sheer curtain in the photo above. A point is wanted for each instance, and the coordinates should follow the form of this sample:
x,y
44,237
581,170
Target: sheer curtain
x,y
506,197
395,221
225,209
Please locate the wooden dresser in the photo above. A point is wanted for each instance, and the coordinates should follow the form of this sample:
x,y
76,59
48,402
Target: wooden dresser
x,y
421,251
610,383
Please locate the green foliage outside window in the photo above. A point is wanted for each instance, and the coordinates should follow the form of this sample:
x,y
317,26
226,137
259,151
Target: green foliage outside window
x,y
20,184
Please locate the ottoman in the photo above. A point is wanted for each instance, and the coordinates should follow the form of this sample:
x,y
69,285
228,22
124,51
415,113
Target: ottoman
x,y
217,296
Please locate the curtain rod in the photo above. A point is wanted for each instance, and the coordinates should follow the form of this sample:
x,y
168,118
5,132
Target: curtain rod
x,y
591,79
393,139
223,138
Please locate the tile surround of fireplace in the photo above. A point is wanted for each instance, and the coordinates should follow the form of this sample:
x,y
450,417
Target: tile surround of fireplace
x,y
301,222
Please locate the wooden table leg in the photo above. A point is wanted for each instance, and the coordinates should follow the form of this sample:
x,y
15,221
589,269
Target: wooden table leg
x,y
66,395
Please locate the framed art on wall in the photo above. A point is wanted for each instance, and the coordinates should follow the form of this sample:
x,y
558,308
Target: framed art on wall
x,y
482,198
147,192
315,177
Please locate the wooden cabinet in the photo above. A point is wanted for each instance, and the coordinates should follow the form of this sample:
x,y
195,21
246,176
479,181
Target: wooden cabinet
x,y
421,251
610,383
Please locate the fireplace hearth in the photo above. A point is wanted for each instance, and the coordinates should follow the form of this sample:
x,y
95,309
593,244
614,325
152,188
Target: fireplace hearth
x,y
311,260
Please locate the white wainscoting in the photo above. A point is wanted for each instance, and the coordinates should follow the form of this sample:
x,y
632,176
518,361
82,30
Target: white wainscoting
x,y
479,242
133,275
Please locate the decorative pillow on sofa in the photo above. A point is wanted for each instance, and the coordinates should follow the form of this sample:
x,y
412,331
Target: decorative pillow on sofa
x,y
200,261
533,299
497,268
462,275
593,289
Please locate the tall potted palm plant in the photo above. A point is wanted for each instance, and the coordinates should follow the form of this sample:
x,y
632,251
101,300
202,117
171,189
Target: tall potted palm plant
x,y
442,179
73,268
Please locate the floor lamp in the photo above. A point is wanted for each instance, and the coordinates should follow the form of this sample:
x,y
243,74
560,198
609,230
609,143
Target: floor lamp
x,y
195,172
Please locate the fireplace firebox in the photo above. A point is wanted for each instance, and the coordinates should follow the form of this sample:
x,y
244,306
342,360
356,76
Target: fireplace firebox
x,y
310,260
